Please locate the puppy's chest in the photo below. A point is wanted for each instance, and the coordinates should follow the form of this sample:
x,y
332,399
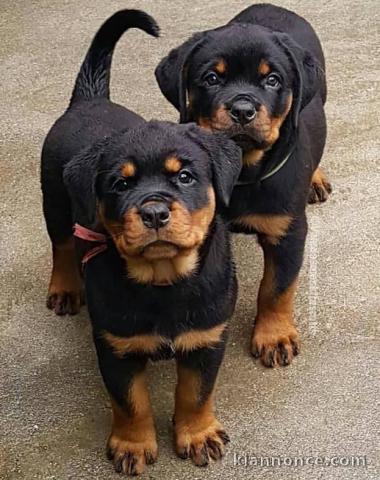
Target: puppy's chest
x,y
267,211
161,347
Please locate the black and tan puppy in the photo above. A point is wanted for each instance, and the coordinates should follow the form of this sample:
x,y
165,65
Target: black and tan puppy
x,y
160,282
260,80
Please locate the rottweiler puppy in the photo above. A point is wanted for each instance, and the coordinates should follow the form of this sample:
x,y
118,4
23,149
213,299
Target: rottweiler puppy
x,y
159,279
260,80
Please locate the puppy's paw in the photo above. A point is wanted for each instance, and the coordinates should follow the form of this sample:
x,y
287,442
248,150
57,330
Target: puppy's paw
x,y
66,294
129,457
201,443
65,302
275,341
320,188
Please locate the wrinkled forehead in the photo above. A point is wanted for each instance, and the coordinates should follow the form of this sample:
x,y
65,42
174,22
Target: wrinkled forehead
x,y
239,47
152,151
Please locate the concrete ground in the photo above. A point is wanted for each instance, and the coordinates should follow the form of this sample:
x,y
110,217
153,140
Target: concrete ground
x,y
54,411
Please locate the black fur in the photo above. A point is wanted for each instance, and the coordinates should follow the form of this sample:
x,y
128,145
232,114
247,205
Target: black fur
x,y
82,168
90,117
288,44
93,79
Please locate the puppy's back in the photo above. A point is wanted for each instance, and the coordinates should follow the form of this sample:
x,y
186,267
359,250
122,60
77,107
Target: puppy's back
x,y
283,20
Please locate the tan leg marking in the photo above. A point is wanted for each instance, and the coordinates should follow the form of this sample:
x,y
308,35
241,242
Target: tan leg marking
x,y
320,188
275,338
132,444
65,294
273,226
198,434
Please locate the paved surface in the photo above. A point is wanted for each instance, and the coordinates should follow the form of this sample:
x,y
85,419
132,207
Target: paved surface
x,y
54,411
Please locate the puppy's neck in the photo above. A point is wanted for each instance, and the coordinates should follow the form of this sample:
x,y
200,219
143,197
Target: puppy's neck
x,y
165,271
256,162
252,157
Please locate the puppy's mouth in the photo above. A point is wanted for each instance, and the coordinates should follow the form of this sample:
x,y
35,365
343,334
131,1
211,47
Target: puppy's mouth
x,y
160,249
245,140
246,137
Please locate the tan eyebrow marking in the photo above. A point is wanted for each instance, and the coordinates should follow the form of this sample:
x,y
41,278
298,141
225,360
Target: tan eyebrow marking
x,y
221,67
173,164
264,68
128,169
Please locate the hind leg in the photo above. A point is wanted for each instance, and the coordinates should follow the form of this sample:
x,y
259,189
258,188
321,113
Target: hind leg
x,y
320,187
65,294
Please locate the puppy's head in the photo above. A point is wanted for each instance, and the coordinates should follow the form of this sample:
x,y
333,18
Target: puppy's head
x,y
155,189
242,80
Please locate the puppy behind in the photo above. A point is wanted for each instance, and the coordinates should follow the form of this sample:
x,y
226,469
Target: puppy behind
x,y
260,80
160,282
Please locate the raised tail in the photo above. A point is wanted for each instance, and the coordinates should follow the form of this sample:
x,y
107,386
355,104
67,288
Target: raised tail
x,y
93,79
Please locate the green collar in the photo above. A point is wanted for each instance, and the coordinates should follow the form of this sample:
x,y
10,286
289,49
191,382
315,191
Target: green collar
x,y
277,167
272,172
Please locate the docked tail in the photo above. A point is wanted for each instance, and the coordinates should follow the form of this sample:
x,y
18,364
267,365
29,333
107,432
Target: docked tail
x,y
93,79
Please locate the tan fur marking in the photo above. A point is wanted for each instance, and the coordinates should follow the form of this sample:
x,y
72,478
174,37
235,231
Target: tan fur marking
x,y
274,332
220,120
149,344
320,187
162,272
221,67
128,170
133,434
195,423
199,338
275,226
268,127
202,218
265,126
138,343
253,157
264,68
173,165
176,253
65,281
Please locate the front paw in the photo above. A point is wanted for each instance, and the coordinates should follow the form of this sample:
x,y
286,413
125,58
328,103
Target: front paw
x,y
131,457
320,187
275,340
65,302
200,442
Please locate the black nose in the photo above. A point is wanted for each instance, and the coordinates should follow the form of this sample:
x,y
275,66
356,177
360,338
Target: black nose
x,y
155,215
242,111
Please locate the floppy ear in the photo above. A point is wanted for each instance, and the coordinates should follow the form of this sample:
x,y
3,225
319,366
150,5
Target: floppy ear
x,y
226,161
171,74
79,176
308,74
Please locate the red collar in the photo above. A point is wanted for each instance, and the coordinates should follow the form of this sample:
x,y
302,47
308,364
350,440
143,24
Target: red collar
x,y
91,236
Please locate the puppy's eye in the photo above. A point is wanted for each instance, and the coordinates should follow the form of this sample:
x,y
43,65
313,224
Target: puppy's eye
x,y
212,79
185,177
121,185
272,81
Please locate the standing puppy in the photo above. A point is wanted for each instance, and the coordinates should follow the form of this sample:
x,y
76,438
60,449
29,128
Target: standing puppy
x,y
260,80
160,282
